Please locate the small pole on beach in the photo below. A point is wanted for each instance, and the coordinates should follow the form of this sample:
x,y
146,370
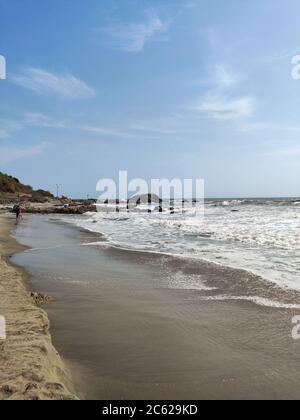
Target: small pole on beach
x,y
57,190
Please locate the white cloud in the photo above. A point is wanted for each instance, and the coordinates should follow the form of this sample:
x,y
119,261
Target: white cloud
x,y
152,127
221,77
65,86
8,127
38,120
222,100
132,37
10,154
225,78
35,119
222,108
103,131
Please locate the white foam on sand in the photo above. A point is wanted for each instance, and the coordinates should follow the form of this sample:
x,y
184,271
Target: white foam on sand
x,y
254,299
183,281
262,238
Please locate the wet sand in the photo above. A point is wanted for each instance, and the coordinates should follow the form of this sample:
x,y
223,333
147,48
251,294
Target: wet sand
x,y
30,367
133,325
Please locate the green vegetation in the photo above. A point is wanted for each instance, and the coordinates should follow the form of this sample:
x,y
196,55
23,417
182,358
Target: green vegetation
x,y
11,187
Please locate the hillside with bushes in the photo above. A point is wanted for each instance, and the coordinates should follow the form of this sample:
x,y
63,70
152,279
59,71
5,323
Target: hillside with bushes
x,y
11,188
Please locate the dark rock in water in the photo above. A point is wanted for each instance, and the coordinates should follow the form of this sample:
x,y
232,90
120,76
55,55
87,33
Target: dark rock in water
x,y
81,209
144,199
40,298
205,235
8,390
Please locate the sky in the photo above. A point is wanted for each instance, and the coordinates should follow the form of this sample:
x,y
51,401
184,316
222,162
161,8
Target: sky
x,y
160,88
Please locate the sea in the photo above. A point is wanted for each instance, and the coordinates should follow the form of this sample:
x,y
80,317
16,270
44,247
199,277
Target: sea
x,y
261,236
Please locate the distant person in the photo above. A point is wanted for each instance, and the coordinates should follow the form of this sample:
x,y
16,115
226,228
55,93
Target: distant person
x,y
21,213
17,211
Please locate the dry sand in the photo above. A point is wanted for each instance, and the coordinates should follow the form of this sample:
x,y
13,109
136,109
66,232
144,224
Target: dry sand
x,y
30,367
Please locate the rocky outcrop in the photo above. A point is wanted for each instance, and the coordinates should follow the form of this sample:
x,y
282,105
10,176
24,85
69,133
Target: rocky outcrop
x,y
40,298
61,210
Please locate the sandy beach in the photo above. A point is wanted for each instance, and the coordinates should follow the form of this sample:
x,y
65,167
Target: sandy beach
x,y
149,202
134,325
30,367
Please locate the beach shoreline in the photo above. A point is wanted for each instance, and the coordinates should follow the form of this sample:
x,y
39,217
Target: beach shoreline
x,y
30,367
134,325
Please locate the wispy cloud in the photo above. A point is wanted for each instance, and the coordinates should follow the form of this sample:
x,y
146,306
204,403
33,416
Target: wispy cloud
x,y
10,154
44,82
223,108
222,100
35,119
224,77
132,37
221,77
41,121
151,127
104,131
8,127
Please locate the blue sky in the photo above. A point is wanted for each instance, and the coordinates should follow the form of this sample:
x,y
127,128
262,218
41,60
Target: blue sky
x,y
161,88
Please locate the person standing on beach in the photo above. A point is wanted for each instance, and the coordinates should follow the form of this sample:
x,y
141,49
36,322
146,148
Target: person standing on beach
x,y
17,211
21,212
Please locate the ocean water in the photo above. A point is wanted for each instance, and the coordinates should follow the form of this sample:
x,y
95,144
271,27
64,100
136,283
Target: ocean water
x,y
136,325
261,236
